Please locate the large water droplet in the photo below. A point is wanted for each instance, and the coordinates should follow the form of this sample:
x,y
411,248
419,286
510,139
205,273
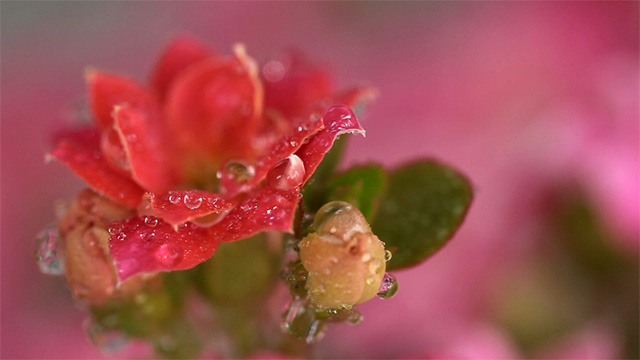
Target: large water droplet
x,y
237,172
106,339
167,256
389,286
192,201
287,174
47,251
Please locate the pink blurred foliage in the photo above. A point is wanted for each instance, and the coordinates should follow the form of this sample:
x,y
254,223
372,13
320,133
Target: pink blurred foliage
x,y
519,96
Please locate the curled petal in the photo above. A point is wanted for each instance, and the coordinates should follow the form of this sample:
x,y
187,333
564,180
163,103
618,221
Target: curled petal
x,y
143,246
292,83
108,90
86,161
178,207
301,131
338,120
183,52
214,108
148,152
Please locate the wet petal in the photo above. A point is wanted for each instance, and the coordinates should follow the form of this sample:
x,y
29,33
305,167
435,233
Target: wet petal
x,y
86,161
178,56
214,108
177,207
338,120
148,151
292,83
301,130
141,247
108,90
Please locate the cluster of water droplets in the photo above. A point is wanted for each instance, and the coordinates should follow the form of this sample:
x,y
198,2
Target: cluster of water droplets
x,y
48,254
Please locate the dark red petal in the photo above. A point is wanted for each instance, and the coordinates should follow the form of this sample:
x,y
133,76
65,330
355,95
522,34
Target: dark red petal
x,y
108,90
214,108
178,207
292,83
148,244
178,56
338,120
300,131
87,161
148,151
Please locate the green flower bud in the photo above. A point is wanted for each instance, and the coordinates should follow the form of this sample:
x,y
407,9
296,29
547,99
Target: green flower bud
x,y
344,259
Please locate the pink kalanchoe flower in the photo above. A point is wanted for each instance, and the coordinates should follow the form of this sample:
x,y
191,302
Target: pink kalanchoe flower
x,y
206,153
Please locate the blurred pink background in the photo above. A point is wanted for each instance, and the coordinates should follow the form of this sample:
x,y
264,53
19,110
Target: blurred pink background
x,y
525,98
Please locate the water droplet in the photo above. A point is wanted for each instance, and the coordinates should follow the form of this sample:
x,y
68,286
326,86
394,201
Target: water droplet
x,y
47,251
115,228
387,255
299,319
106,339
339,115
192,202
355,317
389,286
237,172
174,198
150,221
288,174
167,256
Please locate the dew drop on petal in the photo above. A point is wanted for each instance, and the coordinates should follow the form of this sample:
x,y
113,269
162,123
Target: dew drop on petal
x,y
167,256
150,221
237,172
48,252
106,339
115,228
389,286
192,202
287,174
174,198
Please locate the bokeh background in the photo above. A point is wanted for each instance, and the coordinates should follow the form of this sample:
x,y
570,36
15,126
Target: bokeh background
x,y
537,102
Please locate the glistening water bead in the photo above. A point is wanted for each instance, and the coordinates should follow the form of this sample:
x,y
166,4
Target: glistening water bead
x,y
47,251
389,287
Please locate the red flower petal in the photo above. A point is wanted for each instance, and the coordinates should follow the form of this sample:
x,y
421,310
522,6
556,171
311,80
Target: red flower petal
x,y
292,83
178,207
214,108
338,120
283,148
178,56
108,90
148,244
86,160
148,152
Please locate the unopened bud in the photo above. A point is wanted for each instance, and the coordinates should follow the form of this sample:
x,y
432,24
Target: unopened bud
x,y
345,260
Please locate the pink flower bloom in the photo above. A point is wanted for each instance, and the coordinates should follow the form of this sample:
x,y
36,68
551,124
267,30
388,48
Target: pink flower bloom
x,y
207,153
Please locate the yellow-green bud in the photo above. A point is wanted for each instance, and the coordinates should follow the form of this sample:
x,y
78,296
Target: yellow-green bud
x,y
344,259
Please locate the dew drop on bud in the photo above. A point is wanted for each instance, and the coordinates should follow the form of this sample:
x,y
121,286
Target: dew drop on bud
x,y
237,172
192,202
387,255
389,287
47,251
287,174
167,256
299,320
150,221
106,339
115,228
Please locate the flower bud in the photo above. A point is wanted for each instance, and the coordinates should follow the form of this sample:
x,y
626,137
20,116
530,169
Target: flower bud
x,y
88,267
345,260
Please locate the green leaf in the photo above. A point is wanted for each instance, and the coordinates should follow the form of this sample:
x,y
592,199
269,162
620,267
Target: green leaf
x,y
424,206
361,186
